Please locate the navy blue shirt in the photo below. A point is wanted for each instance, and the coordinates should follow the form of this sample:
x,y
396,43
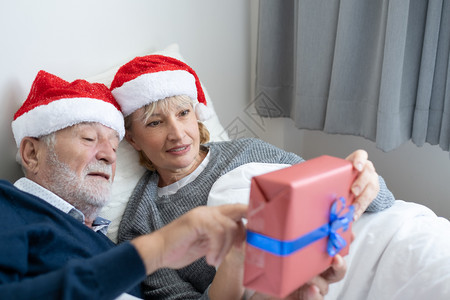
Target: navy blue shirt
x,y
47,254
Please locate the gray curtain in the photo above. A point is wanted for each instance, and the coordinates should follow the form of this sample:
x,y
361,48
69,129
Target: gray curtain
x,y
372,68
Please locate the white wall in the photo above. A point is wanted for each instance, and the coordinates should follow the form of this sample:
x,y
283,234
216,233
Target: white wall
x,y
78,39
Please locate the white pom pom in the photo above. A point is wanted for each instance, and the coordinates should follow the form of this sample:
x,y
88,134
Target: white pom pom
x,y
203,112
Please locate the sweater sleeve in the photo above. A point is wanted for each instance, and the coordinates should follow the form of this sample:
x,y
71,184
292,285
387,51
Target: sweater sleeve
x,y
104,276
168,285
384,199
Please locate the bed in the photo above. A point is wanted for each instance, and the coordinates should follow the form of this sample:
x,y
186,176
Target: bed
x,y
400,253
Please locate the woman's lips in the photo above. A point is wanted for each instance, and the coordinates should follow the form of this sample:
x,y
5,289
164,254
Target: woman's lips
x,y
179,149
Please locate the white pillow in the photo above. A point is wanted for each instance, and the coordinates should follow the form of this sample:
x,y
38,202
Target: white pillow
x,y
128,169
234,186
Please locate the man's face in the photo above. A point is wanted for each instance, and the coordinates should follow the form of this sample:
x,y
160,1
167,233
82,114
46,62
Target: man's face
x,y
81,165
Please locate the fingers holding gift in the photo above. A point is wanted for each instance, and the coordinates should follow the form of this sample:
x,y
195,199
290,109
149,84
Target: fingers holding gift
x,y
358,159
336,271
365,188
366,185
315,289
318,286
307,292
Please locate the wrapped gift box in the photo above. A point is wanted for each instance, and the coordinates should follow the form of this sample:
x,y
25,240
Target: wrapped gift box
x,y
291,214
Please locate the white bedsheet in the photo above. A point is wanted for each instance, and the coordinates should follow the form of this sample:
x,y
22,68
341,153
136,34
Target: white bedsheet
x,y
400,253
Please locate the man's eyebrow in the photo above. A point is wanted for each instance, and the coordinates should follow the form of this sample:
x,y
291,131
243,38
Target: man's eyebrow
x,y
115,135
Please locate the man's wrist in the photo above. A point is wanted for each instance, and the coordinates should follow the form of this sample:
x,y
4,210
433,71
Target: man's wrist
x,y
150,249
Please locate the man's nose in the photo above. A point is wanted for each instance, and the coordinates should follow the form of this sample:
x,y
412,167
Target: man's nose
x,y
106,152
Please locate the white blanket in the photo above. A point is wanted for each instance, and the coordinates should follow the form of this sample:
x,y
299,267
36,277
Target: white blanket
x,y
400,253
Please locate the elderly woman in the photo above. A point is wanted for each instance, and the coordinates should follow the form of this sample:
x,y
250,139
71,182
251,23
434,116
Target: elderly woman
x,y
158,96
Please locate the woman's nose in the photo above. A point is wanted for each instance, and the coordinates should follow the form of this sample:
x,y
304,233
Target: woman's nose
x,y
176,130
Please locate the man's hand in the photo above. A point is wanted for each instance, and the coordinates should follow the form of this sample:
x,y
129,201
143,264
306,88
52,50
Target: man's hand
x,y
203,231
316,288
366,185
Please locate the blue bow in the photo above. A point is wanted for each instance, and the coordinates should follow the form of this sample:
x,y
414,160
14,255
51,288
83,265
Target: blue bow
x,y
335,242
337,220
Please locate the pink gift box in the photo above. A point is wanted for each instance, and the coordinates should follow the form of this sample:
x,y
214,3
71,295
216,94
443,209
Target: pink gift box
x,y
295,214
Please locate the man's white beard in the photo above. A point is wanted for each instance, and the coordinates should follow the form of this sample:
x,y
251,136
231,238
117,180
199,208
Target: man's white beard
x,y
87,193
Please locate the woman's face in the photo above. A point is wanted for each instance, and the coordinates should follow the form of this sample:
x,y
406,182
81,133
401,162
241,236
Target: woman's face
x,y
169,138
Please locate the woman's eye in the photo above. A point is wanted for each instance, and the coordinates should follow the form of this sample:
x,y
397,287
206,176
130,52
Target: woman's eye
x,y
184,112
153,123
88,139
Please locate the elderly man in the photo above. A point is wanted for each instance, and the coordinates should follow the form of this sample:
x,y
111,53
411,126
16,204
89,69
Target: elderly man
x,y
67,134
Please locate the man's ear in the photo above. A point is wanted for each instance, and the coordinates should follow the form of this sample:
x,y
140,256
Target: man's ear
x,y
129,138
29,152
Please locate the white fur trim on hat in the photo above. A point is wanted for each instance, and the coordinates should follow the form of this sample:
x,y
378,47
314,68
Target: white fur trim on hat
x,y
203,112
46,119
151,87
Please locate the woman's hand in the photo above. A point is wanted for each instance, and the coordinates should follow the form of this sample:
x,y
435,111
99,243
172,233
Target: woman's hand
x,y
227,283
317,287
366,185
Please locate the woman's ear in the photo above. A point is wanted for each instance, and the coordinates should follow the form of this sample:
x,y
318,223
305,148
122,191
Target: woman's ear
x,y
129,138
29,153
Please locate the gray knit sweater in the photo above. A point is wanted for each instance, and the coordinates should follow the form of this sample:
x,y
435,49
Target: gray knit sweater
x,y
146,212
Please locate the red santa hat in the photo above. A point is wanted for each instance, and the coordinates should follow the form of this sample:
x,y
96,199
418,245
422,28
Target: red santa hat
x,y
150,78
55,104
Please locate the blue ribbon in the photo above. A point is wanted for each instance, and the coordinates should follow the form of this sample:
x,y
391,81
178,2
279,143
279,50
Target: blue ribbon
x,y
335,243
